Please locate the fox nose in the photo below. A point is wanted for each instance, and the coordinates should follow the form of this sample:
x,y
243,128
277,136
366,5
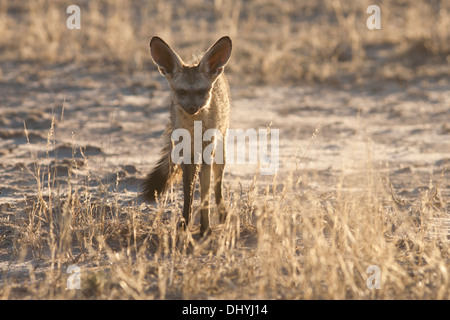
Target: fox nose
x,y
192,110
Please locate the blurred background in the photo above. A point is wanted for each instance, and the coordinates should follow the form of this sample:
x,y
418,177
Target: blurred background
x,y
275,42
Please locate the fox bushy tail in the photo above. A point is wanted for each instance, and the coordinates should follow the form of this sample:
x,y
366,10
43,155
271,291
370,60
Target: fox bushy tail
x,y
158,180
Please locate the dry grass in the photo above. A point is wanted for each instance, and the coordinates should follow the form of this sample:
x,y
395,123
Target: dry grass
x,y
285,41
283,240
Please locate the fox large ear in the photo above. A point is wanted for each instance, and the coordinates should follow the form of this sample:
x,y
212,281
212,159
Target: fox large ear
x,y
216,57
165,58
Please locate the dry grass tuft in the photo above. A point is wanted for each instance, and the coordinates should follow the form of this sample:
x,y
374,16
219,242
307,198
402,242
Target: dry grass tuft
x,y
291,243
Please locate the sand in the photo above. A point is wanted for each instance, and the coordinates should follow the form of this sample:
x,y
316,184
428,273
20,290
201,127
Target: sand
x,y
100,130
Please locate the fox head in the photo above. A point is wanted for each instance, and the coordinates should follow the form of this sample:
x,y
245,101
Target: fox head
x,y
191,85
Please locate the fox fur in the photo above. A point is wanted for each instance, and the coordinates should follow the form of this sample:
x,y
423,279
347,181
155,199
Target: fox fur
x,y
199,91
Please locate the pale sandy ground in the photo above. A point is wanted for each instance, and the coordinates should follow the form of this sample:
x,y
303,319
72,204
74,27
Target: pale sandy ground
x,y
402,131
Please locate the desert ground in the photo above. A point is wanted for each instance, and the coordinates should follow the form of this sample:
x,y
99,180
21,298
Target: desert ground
x,y
364,152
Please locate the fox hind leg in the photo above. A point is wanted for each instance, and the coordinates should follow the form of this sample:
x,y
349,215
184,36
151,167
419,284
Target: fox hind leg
x,y
218,170
205,186
189,177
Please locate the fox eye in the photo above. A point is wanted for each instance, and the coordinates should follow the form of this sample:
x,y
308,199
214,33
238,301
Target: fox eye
x,y
182,92
201,92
